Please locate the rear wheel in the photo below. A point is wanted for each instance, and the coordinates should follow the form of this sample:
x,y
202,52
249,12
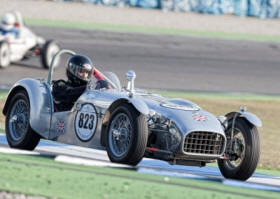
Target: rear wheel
x,y
4,54
242,152
48,51
127,135
19,133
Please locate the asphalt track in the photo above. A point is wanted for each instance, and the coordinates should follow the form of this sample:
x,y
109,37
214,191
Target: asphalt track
x,y
79,155
166,61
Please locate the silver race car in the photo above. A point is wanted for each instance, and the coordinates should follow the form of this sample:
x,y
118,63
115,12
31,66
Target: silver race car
x,y
26,44
131,124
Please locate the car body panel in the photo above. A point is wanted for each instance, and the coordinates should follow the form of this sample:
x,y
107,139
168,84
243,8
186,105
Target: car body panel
x,y
171,122
250,117
41,106
101,101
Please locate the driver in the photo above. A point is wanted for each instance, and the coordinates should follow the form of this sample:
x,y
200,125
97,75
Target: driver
x,y
65,93
7,26
79,72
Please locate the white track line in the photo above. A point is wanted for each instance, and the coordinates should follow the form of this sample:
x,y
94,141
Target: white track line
x,y
87,162
17,151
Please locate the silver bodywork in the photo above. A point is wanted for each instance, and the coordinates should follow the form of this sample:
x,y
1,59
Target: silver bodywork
x,y
250,117
180,112
179,130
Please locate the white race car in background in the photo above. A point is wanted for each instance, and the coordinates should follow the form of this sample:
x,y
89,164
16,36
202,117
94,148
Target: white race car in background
x,y
27,44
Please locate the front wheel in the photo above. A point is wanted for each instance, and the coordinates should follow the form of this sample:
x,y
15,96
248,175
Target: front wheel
x,y
242,152
48,51
19,132
4,54
127,135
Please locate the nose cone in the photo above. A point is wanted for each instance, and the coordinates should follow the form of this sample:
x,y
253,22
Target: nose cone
x,y
199,120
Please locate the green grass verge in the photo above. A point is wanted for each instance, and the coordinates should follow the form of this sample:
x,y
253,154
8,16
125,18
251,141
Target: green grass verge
x,y
268,171
3,94
42,176
153,30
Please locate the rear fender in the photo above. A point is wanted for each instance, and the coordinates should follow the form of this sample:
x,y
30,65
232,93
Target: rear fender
x,y
41,106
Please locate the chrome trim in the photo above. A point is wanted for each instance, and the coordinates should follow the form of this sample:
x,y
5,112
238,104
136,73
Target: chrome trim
x,y
179,107
204,154
130,76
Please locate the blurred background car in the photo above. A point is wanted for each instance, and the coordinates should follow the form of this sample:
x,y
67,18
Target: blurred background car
x,y
18,42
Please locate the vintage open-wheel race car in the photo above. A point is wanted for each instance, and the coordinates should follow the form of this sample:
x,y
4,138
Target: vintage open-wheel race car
x,y
26,45
131,124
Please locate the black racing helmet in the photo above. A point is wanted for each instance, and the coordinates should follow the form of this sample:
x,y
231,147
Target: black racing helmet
x,y
79,70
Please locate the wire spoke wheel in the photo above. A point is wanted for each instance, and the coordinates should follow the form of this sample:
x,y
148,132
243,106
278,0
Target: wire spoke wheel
x,y
18,120
120,134
127,135
19,132
237,150
243,150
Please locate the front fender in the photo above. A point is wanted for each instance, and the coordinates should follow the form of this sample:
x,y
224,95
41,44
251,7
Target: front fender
x,y
138,104
40,100
250,117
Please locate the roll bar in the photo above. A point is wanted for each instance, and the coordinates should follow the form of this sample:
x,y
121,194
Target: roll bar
x,y
58,54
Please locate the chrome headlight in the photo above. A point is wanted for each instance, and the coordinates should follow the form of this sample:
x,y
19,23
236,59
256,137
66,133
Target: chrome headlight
x,y
175,137
166,130
223,120
157,121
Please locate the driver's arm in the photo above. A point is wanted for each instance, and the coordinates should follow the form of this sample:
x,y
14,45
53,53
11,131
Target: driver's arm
x,y
66,94
73,93
100,84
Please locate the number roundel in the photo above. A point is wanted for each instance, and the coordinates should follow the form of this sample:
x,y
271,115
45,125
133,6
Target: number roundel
x,y
86,122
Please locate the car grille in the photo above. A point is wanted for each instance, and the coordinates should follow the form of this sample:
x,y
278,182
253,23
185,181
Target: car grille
x,y
200,142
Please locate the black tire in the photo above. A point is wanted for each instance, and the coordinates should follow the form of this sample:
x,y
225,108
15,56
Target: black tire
x,y
135,150
19,135
249,162
48,51
4,54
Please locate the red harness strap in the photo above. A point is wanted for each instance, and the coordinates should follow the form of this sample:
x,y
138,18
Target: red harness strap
x,y
98,75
